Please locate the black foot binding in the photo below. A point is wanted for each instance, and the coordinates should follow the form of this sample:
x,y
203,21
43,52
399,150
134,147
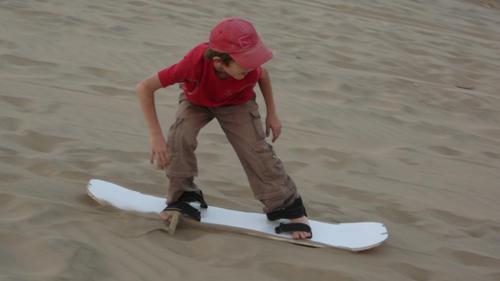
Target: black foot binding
x,y
291,227
182,207
296,210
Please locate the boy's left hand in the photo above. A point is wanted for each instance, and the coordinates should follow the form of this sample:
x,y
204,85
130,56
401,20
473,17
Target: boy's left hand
x,y
273,123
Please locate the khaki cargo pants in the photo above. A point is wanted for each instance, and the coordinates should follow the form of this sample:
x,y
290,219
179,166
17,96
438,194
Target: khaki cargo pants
x,y
243,128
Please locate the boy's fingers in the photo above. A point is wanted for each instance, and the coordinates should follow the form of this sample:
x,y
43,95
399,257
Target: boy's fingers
x,y
152,159
164,158
161,159
276,134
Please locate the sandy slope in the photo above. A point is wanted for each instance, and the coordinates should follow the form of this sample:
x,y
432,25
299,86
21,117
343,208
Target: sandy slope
x,y
391,113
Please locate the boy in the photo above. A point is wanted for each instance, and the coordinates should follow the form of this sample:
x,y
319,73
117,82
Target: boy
x,y
217,79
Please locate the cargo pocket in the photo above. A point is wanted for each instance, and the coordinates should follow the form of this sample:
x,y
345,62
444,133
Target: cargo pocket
x,y
271,167
257,125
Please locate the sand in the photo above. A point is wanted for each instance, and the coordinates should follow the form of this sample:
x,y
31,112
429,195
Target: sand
x,y
390,111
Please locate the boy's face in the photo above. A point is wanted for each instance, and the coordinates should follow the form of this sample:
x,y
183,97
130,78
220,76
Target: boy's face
x,y
234,70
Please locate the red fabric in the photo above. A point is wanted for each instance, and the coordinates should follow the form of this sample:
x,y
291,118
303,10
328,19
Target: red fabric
x,y
238,38
202,86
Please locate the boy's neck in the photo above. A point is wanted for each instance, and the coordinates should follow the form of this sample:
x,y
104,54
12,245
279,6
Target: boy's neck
x,y
221,74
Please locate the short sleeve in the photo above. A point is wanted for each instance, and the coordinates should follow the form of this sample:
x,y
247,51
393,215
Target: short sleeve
x,y
176,73
180,71
259,72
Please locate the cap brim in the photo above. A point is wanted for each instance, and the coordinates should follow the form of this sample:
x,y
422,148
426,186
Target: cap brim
x,y
253,58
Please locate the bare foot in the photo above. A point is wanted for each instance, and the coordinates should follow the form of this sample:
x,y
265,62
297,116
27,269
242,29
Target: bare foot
x,y
165,216
300,234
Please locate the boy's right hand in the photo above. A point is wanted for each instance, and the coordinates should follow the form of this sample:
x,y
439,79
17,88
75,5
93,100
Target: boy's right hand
x,y
159,152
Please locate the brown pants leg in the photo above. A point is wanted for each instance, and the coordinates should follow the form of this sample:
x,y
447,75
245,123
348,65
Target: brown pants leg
x,y
265,172
182,143
243,127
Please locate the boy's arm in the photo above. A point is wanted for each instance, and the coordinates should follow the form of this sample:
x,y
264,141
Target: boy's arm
x,y
145,91
272,121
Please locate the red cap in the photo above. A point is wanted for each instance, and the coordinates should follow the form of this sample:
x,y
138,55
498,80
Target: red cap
x,y
239,39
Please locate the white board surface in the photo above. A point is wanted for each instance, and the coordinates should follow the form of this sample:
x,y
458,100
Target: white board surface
x,y
356,236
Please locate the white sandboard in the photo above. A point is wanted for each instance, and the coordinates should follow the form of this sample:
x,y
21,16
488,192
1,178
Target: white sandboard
x,y
357,236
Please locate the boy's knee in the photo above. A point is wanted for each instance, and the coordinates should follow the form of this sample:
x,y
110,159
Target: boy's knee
x,y
183,137
271,167
187,140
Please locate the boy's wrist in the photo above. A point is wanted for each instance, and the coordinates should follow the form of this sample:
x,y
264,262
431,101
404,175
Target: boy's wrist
x,y
271,112
155,134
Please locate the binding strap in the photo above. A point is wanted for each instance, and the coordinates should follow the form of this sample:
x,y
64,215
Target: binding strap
x,y
291,227
193,196
296,210
182,204
185,209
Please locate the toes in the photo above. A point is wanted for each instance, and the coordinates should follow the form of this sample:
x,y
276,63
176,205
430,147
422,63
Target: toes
x,y
300,235
165,217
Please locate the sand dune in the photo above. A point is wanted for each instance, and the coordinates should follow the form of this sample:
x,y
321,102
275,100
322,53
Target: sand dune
x,y
391,113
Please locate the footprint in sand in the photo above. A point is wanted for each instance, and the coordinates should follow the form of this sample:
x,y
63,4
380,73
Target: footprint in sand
x,y
24,104
492,155
291,271
16,265
101,72
37,141
330,158
393,212
13,248
293,167
7,44
347,192
444,150
472,227
101,155
9,123
411,271
112,91
9,178
384,208
23,61
469,258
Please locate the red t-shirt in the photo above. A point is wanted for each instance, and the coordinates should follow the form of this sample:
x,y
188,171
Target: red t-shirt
x,y
201,84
